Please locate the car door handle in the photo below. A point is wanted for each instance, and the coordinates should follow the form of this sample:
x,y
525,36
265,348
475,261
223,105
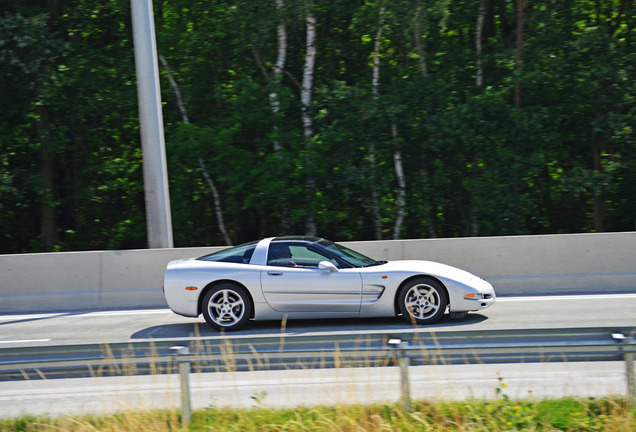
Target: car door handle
x,y
275,273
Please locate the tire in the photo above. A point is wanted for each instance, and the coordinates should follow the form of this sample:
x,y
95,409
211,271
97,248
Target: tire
x,y
227,307
422,301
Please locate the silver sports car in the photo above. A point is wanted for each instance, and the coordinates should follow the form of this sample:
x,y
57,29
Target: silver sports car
x,y
309,277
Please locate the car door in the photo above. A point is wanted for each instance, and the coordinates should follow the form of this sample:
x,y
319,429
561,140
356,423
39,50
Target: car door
x,y
293,282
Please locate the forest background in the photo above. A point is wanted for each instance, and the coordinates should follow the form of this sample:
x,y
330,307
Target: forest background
x,y
355,120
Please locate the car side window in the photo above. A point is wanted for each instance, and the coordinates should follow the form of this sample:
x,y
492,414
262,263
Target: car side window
x,y
239,254
285,255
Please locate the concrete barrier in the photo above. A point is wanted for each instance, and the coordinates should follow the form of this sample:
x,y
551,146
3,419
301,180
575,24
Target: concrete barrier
x,y
521,265
529,265
96,280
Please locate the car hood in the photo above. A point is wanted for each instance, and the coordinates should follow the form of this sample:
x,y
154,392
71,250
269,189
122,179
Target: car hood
x,y
177,262
428,267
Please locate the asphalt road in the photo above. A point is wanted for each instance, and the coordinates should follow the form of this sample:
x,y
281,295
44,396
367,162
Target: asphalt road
x,y
123,326
326,386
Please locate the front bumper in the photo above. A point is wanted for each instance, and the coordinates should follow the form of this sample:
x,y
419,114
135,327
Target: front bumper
x,y
477,295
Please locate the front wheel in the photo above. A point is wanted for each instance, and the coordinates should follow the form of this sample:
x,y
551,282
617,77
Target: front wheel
x,y
422,301
227,307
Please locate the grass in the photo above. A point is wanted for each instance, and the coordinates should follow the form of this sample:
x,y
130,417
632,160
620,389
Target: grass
x,y
503,414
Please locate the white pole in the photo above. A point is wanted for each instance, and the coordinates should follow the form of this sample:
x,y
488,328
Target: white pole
x,y
158,218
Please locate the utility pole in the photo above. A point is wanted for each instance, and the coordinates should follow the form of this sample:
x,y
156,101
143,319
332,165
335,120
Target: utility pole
x,y
158,218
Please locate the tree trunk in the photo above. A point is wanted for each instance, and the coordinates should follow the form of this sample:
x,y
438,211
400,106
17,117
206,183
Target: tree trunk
x,y
421,53
479,83
184,117
479,80
429,209
597,164
308,72
375,83
306,100
48,225
419,47
598,199
274,101
520,4
217,202
274,82
375,80
399,174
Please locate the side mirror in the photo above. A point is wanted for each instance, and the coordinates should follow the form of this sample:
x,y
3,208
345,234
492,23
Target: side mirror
x,y
326,265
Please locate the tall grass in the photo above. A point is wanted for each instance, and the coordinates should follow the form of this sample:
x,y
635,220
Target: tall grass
x,y
503,414
611,414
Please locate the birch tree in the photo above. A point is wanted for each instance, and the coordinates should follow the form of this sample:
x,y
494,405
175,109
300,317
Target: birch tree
x,y
308,71
479,83
375,84
420,48
519,12
206,175
533,134
479,30
274,100
279,67
399,174
274,78
397,156
306,102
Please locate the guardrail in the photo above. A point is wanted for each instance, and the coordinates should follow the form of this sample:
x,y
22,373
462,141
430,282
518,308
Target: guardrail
x,y
238,353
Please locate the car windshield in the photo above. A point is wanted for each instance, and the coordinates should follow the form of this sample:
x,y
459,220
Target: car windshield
x,y
240,254
354,258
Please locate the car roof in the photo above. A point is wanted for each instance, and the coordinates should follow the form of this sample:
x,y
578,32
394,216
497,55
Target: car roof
x,y
308,239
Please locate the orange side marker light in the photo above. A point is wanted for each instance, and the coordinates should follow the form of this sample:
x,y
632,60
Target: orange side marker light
x,y
191,288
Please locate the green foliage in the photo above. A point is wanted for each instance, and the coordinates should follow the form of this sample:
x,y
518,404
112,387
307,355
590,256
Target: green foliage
x,y
562,162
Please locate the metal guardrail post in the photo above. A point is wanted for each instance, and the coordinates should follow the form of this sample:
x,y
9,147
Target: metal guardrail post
x,y
182,358
629,364
404,363
631,386
628,355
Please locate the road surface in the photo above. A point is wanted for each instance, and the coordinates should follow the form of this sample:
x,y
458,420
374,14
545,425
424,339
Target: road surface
x,y
123,326
326,386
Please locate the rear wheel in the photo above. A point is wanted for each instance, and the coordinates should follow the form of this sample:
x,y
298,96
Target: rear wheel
x,y
227,307
422,301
